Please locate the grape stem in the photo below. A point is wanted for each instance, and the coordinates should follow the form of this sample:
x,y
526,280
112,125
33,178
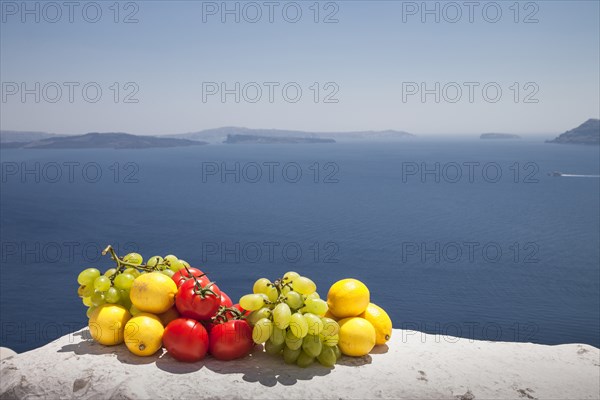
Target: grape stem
x,y
279,285
122,265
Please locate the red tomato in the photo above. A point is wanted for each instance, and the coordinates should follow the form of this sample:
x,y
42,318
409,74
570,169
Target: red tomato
x,y
186,340
197,306
230,340
182,275
225,300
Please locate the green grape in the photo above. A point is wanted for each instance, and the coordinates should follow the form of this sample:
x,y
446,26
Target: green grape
x,y
252,302
86,290
290,276
327,357
102,283
124,281
298,325
330,327
98,299
132,271
315,325
329,335
171,257
254,316
173,263
313,295
124,298
272,294
155,261
330,340
277,336
290,356
110,272
133,310
285,290
312,345
87,276
264,296
87,301
168,272
112,295
262,285
304,360
337,351
291,341
272,348
315,306
294,300
90,311
281,315
176,266
134,258
262,330
303,285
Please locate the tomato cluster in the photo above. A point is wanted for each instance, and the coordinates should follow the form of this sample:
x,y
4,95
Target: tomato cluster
x,y
209,321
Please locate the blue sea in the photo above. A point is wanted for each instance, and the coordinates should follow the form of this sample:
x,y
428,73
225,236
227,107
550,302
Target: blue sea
x,y
466,238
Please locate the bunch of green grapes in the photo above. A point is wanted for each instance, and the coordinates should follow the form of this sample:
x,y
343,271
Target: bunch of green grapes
x,y
289,318
114,285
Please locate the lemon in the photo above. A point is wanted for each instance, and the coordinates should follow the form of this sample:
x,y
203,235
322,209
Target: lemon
x,y
143,334
356,337
381,322
153,292
107,323
348,298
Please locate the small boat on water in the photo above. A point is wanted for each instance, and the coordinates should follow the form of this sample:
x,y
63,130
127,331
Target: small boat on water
x,y
555,173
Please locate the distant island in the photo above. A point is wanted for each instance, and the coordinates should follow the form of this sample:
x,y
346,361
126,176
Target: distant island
x,y
97,140
499,136
246,139
220,135
24,136
586,133
224,135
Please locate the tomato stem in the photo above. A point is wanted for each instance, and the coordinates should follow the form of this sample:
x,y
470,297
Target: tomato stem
x,y
222,314
202,291
198,289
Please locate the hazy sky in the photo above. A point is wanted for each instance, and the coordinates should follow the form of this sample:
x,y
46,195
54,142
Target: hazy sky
x,y
375,61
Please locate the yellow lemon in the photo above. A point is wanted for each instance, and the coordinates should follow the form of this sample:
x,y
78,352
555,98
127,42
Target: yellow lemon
x,y
381,322
357,336
143,334
153,292
348,298
107,323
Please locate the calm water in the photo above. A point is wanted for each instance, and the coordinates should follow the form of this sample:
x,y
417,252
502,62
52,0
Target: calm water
x,y
512,257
